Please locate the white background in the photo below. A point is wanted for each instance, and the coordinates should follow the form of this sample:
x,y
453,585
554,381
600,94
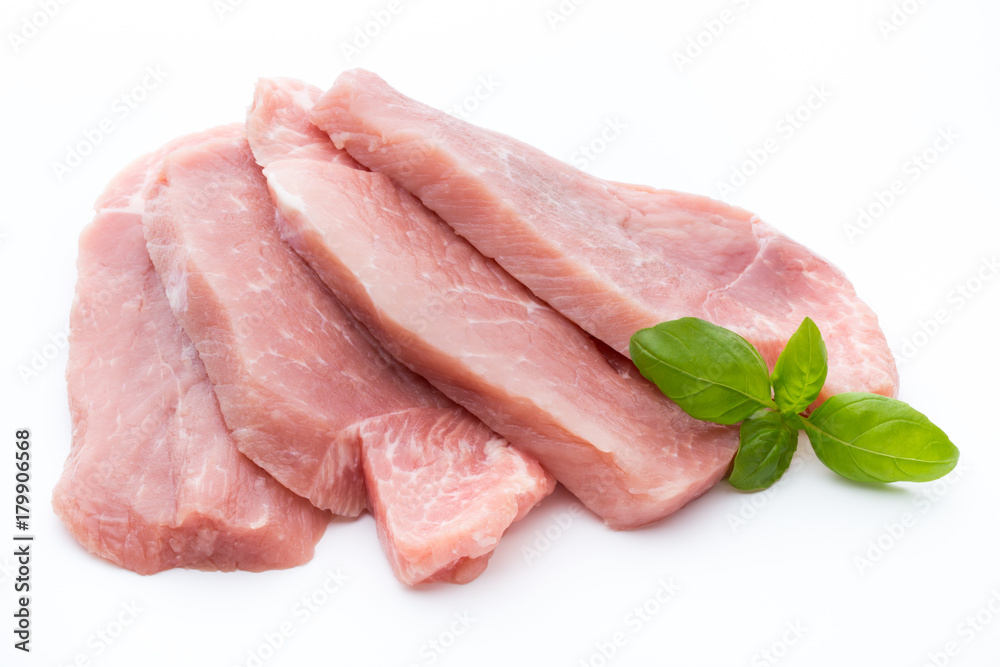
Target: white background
x,y
829,558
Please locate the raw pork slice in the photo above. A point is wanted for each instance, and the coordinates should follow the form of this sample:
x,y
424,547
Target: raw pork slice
x,y
279,128
443,489
305,389
477,334
153,480
613,258
276,345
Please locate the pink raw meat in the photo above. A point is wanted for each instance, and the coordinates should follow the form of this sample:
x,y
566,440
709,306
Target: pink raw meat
x,y
305,389
443,489
613,258
274,342
153,480
278,125
477,334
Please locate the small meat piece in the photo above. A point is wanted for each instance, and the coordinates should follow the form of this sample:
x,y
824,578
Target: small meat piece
x,y
443,489
480,337
613,258
153,480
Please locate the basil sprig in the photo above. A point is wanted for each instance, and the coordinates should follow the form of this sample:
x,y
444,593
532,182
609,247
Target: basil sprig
x,y
715,375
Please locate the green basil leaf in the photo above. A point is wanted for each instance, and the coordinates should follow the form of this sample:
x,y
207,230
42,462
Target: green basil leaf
x,y
710,372
801,369
794,421
767,443
871,438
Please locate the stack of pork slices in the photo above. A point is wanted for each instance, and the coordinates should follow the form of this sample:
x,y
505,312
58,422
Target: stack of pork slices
x,y
357,302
